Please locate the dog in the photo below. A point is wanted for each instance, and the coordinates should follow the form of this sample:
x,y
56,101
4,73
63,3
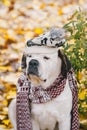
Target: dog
x,y
42,69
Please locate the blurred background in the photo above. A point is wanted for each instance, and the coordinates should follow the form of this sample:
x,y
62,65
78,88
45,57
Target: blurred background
x,y
21,20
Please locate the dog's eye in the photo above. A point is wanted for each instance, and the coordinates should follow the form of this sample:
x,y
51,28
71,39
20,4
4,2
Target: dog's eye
x,y
45,57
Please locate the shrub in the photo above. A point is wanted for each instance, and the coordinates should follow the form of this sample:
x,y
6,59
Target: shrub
x,y
76,49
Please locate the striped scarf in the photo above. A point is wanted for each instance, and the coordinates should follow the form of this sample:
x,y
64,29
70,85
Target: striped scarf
x,y
27,94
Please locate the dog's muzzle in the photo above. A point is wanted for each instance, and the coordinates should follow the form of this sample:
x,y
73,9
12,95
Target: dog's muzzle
x,y
33,67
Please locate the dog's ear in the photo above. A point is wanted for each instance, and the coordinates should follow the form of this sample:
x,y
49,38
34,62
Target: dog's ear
x,y
23,62
66,65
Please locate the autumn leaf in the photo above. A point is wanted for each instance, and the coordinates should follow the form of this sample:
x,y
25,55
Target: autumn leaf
x,y
5,68
6,122
6,2
80,75
42,6
38,30
60,11
82,95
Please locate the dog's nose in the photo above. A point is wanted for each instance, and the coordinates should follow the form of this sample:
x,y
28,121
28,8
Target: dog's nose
x,y
33,63
33,67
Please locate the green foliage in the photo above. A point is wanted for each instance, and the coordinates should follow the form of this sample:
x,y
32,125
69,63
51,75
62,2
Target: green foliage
x,y
77,51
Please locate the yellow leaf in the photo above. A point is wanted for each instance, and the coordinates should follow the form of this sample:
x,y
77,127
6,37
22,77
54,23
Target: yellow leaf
x,y
42,5
82,95
11,94
6,2
80,75
52,4
5,102
38,30
5,68
7,36
6,122
84,105
60,11
20,31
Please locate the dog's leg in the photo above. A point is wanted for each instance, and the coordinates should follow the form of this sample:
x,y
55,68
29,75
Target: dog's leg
x,y
65,124
35,125
12,113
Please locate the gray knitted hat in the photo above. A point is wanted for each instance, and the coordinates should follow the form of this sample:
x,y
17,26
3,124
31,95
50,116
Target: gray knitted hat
x,y
51,39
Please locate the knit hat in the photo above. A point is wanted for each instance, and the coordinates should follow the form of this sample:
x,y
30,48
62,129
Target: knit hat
x,y
50,40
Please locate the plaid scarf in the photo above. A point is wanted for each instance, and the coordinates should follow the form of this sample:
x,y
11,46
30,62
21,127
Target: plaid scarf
x,y
26,93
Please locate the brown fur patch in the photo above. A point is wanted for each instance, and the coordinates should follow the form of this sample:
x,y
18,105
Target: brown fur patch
x,y
35,80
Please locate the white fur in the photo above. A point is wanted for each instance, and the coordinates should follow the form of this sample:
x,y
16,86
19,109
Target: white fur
x,y
57,110
42,49
48,69
46,115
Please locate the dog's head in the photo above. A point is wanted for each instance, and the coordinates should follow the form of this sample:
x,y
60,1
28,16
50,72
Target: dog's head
x,y
43,68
